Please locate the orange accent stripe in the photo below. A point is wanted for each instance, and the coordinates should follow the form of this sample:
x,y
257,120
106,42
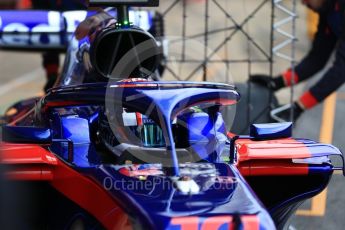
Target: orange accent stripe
x,y
287,76
307,100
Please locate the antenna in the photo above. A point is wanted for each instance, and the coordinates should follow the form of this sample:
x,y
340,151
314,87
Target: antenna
x,y
122,7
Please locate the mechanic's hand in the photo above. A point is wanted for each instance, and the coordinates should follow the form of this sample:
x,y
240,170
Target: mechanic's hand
x,y
261,79
267,81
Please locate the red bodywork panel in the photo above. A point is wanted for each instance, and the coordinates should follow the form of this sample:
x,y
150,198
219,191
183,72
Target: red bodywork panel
x,y
25,154
271,149
271,157
272,167
27,162
33,162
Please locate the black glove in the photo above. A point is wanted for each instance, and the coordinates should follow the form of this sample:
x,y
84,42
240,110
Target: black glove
x,y
273,83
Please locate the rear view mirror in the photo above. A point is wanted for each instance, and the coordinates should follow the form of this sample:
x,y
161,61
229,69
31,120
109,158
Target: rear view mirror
x,y
271,130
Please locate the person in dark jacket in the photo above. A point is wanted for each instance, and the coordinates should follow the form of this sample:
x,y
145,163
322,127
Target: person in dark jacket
x,y
51,60
330,37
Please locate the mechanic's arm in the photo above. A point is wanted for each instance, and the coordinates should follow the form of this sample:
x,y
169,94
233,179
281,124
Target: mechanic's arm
x,y
330,82
322,47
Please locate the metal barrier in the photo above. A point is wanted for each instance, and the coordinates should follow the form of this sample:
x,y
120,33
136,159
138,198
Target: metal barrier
x,y
277,38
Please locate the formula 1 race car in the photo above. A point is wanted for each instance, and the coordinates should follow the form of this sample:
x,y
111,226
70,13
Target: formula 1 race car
x,y
110,148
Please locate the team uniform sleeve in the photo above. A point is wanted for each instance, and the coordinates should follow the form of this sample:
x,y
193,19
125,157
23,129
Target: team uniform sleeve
x,y
334,77
322,47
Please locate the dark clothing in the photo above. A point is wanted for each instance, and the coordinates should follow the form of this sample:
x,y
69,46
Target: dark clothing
x,y
330,36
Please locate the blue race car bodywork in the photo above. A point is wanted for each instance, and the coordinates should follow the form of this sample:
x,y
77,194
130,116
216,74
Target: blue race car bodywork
x,y
121,154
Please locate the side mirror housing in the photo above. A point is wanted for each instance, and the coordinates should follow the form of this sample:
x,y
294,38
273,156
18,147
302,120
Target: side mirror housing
x,y
271,131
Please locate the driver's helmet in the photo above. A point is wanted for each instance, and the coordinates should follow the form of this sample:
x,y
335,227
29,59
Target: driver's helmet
x,y
199,134
132,129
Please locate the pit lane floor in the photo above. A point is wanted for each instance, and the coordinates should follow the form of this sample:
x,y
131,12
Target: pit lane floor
x,y
21,76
